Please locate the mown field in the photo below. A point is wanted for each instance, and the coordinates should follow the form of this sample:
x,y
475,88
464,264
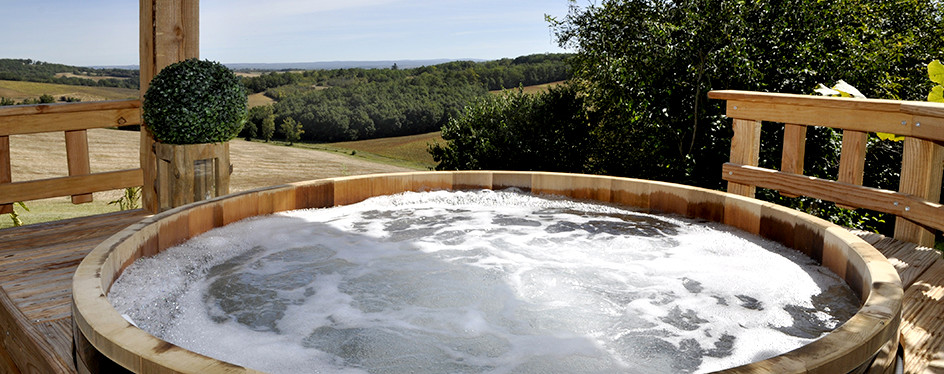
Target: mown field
x,y
407,151
18,90
255,164
532,89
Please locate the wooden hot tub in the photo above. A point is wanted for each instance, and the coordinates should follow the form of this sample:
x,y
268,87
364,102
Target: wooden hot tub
x,y
106,342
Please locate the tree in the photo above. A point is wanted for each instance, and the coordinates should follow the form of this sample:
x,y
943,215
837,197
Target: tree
x,y
292,130
517,131
646,67
268,127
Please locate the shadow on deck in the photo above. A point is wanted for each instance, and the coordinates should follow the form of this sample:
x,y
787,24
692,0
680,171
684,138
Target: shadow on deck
x,y
37,262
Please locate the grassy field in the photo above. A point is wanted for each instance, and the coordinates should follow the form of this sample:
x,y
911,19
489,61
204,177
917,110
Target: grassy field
x,y
255,164
406,151
89,77
532,89
21,90
259,99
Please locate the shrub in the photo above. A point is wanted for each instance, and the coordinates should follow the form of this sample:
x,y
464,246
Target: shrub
x,y
195,101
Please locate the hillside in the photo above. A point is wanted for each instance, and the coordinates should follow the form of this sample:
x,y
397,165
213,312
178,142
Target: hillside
x,y
45,72
20,90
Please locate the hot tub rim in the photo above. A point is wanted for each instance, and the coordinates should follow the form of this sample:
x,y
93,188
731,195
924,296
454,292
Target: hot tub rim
x,y
875,325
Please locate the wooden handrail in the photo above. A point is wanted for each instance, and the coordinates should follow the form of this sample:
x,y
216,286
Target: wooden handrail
x,y
73,119
921,123
915,119
71,185
33,119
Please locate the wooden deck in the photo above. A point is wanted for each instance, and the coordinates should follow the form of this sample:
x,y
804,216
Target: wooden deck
x,y
37,261
36,266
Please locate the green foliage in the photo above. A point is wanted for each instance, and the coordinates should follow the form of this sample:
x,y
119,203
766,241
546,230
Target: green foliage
x,y
16,216
195,101
843,89
936,74
46,99
517,131
70,99
6,101
254,120
43,72
129,200
646,68
291,130
352,104
267,127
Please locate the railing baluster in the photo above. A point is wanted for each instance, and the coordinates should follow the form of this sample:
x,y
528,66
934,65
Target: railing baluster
x,y
921,168
77,154
6,175
745,150
794,151
852,159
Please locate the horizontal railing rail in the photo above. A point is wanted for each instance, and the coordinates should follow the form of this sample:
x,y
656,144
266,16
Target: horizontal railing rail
x,y
921,123
74,120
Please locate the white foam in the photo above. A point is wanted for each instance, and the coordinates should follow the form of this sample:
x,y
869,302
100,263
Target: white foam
x,y
479,282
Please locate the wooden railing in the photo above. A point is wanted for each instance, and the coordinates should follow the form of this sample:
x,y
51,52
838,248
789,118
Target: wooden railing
x,y
916,202
73,120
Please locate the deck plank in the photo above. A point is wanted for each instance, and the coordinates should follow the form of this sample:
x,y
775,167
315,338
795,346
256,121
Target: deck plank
x,y
922,316
909,259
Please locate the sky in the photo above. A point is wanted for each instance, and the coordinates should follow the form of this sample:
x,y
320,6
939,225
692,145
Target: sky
x,y
105,32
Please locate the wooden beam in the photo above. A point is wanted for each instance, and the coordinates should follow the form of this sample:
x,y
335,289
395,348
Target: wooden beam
x,y
865,115
921,172
852,159
94,106
66,186
6,172
900,204
794,150
169,32
745,150
808,100
68,121
77,156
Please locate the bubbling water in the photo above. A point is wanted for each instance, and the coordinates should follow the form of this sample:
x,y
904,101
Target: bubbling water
x,y
481,282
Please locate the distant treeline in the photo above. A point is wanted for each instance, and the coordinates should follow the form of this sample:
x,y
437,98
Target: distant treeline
x,y
352,104
37,71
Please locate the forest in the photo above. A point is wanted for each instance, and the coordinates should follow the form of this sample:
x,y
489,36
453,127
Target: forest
x,y
354,104
45,72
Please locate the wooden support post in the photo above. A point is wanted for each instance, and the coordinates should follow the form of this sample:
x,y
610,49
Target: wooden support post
x,y
794,151
852,159
77,155
6,172
922,166
745,150
169,31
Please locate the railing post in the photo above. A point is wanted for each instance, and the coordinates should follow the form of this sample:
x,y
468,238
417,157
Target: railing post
x,y
6,172
170,32
852,159
745,150
77,157
921,172
793,152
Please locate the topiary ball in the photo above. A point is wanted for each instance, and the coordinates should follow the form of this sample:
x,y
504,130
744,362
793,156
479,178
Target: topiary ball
x,y
195,101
